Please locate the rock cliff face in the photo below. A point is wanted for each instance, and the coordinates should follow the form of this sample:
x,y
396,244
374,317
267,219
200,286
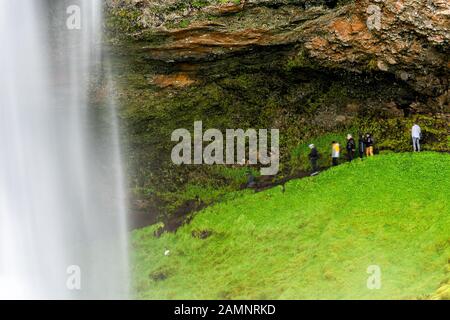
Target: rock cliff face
x,y
408,39
309,68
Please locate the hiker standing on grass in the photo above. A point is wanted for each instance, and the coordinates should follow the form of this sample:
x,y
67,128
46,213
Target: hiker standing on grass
x,y
335,152
416,134
313,157
250,177
368,141
351,147
361,146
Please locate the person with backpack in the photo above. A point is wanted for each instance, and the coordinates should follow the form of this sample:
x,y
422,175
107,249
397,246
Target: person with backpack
x,y
335,152
369,143
361,146
416,134
351,147
313,157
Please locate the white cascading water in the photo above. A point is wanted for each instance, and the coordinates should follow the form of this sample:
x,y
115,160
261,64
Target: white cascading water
x,y
62,203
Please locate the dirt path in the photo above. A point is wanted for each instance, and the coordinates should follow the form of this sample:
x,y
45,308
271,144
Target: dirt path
x,y
186,212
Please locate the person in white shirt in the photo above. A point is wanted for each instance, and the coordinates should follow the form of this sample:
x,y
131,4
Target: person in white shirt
x,y
416,134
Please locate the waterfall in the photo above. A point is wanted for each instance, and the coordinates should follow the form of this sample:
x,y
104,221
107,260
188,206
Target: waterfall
x,y
62,201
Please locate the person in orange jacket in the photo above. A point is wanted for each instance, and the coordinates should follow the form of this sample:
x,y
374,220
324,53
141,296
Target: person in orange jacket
x,y
368,141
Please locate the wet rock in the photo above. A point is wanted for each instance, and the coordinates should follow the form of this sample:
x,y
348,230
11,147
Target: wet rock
x,y
173,80
408,38
392,110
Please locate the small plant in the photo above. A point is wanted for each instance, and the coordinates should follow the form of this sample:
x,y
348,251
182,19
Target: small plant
x,y
198,4
184,24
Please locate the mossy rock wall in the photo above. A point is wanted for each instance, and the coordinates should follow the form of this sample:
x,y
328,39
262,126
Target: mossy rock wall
x,y
250,86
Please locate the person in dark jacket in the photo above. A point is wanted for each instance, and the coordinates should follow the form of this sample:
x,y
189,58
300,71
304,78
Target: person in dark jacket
x,y
361,146
368,142
250,177
351,147
313,157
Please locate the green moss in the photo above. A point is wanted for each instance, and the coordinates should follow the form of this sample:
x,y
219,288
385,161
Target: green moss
x,y
198,4
372,65
184,23
121,22
300,60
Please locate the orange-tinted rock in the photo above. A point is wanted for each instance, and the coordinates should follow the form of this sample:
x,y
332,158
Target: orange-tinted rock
x,y
318,43
227,8
173,80
413,37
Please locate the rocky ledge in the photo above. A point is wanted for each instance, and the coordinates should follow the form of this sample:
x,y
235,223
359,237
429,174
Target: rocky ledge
x,y
406,38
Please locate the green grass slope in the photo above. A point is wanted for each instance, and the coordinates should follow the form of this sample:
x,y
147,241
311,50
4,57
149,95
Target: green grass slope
x,y
315,241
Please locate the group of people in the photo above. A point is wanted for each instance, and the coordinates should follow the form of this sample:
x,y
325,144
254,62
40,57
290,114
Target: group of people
x,y
365,147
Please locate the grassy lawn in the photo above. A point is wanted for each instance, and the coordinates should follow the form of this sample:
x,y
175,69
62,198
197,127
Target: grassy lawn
x,y
315,241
